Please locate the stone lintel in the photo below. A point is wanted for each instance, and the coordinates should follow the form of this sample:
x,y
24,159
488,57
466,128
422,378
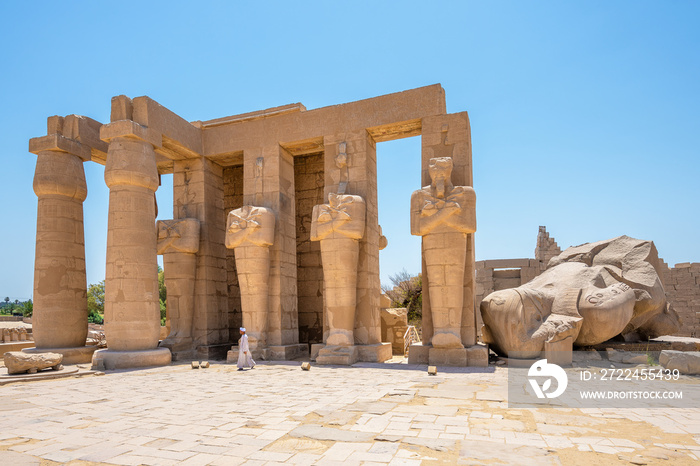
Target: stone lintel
x,y
390,116
180,136
130,129
59,143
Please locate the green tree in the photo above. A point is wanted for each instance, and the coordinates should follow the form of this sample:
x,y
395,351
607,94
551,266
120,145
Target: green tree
x,y
96,298
28,308
406,291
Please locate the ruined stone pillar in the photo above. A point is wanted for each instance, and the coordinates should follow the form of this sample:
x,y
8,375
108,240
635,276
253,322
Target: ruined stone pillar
x,y
178,242
339,226
132,310
60,284
250,233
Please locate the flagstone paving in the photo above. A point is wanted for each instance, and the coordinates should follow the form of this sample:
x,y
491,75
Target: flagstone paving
x,y
369,414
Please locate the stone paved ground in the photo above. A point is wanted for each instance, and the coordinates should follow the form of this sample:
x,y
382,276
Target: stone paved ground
x,y
368,414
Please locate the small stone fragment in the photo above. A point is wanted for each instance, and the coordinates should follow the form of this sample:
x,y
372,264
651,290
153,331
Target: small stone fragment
x,y
195,365
204,364
432,370
18,362
305,366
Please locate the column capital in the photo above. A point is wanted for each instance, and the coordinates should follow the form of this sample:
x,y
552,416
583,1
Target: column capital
x,y
130,129
59,143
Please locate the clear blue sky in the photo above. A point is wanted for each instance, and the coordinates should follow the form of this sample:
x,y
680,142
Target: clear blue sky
x,y
584,114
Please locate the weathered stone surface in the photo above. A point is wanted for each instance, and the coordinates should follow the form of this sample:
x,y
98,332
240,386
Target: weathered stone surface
x,y
626,357
106,359
340,355
447,357
132,310
60,284
178,242
329,433
685,362
418,354
394,326
19,363
78,355
582,295
478,356
586,356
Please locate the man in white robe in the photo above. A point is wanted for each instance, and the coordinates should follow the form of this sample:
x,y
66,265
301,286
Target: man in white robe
x,y
245,359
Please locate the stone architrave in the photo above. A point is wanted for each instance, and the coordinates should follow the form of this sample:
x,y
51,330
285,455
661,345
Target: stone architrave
x,y
443,215
250,231
178,242
60,286
339,226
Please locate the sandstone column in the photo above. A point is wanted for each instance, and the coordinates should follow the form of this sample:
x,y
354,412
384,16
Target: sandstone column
x,y
132,311
250,233
178,242
339,226
60,284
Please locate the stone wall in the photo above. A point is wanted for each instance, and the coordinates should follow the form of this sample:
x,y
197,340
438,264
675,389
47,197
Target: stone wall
x,y
394,326
233,199
682,285
546,249
309,184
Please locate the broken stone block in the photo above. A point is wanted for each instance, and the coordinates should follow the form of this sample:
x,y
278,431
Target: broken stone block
x,y
432,370
204,364
195,365
18,362
626,357
687,362
305,366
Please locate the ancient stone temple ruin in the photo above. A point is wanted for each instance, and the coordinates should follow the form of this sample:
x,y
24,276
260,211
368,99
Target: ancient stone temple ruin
x,y
274,227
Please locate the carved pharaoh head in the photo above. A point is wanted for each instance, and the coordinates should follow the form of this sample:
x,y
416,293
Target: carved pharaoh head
x,y
440,170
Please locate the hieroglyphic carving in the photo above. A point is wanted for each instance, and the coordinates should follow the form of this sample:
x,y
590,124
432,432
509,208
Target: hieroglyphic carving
x,y
341,161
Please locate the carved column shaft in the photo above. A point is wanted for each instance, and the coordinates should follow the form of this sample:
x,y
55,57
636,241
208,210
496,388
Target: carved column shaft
x,y
132,311
446,275
253,265
60,284
340,257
